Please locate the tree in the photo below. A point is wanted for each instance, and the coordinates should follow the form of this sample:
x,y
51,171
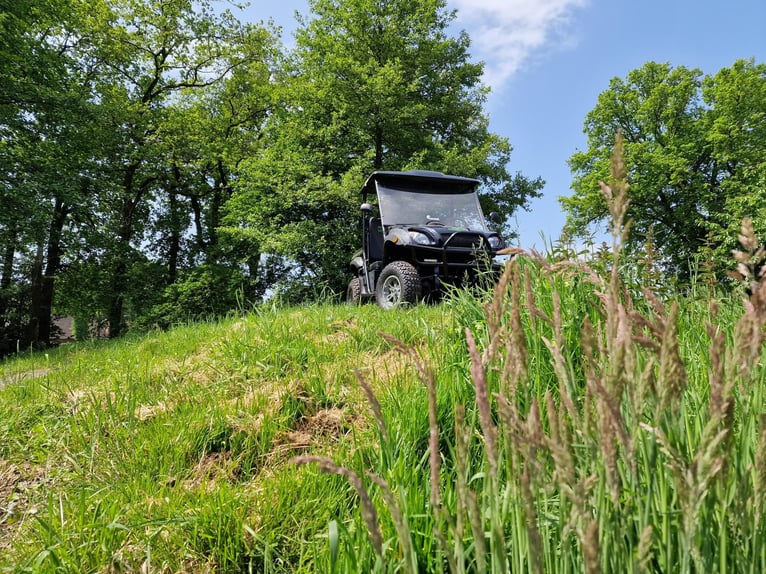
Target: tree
x,y
205,138
148,58
693,146
46,128
370,85
121,121
735,129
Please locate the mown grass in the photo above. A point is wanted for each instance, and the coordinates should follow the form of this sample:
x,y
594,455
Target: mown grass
x,y
170,452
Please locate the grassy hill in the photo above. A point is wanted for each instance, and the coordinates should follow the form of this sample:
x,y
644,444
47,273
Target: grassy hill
x,y
580,424
172,450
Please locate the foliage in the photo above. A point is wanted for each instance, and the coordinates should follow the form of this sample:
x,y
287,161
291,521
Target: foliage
x,y
15,318
161,53
369,86
623,433
306,217
46,138
126,126
694,143
121,125
564,420
206,292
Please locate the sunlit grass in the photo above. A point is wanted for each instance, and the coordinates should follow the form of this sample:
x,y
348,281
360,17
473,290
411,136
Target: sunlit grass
x,y
170,452
563,421
612,428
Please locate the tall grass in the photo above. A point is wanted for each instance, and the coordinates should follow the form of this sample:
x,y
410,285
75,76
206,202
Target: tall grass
x,y
611,429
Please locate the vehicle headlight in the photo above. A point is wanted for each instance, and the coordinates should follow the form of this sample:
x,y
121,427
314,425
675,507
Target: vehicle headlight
x,y
495,242
420,238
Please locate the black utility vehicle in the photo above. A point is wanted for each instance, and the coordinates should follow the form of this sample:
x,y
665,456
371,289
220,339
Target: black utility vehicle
x,y
429,230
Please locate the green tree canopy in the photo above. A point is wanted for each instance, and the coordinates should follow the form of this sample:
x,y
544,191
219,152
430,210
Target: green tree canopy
x,y
370,85
48,138
694,150
121,125
159,55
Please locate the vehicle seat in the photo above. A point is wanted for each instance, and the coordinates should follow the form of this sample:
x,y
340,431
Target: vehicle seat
x,y
376,239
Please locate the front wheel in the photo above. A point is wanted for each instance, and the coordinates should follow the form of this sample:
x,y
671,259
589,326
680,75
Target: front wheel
x,y
398,284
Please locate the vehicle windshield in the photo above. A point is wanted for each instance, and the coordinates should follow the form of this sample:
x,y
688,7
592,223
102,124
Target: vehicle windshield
x,y
454,210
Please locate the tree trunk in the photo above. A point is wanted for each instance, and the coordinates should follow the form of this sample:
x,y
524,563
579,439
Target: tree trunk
x,y
198,227
175,238
10,252
119,284
36,293
53,261
253,267
5,281
221,194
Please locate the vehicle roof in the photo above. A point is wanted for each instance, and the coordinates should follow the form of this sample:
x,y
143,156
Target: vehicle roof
x,y
430,180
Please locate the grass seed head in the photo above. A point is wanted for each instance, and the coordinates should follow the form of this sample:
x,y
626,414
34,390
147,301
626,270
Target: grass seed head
x,y
477,530
644,555
397,516
516,353
495,310
482,402
372,400
672,372
747,237
369,513
590,549
530,520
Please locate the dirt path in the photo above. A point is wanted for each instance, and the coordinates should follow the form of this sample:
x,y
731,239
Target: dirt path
x,y
18,377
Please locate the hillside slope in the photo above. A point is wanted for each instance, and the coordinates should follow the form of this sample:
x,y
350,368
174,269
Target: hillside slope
x,y
170,451
566,421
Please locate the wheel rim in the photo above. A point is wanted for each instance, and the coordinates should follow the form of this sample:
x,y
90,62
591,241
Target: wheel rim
x,y
392,291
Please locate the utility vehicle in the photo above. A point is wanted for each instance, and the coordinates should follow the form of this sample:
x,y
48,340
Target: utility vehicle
x,y
426,230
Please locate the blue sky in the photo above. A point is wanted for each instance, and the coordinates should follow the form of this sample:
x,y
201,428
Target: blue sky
x,y
547,61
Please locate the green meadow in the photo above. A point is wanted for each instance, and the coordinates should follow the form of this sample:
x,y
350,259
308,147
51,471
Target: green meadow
x,y
564,420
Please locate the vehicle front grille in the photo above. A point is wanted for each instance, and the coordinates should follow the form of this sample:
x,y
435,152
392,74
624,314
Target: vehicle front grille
x,y
466,240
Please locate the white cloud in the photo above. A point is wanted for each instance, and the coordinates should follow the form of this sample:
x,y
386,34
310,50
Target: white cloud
x,y
508,33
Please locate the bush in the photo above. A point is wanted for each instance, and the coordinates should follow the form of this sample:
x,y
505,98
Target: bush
x,y
205,292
